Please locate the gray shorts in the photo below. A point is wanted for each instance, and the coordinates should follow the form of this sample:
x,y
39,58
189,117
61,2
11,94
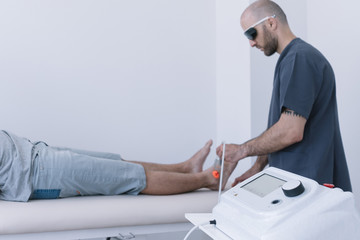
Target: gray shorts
x,y
64,172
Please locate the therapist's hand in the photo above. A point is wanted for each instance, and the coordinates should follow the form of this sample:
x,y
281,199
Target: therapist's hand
x,y
249,173
258,166
233,152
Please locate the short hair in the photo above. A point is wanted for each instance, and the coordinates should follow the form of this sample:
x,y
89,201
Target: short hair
x,y
264,8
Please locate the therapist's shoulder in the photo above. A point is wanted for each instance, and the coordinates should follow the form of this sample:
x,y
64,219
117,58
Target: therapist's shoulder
x,y
303,49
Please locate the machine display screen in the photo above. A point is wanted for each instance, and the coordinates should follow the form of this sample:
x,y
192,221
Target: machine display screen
x,y
263,185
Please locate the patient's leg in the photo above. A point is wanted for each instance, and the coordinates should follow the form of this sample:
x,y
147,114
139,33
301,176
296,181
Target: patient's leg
x,y
192,165
162,182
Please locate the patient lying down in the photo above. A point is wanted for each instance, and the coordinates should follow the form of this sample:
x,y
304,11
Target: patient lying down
x,y
34,170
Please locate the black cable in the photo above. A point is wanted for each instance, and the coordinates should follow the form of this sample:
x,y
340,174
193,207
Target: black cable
x,y
213,222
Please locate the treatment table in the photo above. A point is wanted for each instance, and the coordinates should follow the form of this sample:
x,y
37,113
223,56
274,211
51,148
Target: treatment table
x,y
91,217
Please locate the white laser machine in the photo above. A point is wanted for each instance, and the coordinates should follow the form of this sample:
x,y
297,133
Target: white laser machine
x,y
275,205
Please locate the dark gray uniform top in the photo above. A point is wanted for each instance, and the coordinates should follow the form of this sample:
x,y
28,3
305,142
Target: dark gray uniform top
x,y
305,83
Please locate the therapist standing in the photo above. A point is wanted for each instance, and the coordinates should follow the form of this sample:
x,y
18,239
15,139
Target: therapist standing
x,y
303,134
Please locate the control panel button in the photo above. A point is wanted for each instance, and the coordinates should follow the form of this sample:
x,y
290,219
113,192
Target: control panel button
x,y
276,201
293,188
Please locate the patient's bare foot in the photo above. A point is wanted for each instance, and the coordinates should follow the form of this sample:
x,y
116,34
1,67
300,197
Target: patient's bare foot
x,y
196,162
228,169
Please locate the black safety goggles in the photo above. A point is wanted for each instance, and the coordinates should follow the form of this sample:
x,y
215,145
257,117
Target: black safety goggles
x,y
251,32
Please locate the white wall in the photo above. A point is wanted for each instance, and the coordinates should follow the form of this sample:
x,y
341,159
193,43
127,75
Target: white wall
x,y
232,77
134,77
340,45
152,80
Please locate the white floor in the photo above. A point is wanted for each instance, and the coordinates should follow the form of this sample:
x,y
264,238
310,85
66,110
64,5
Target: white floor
x,y
148,232
196,235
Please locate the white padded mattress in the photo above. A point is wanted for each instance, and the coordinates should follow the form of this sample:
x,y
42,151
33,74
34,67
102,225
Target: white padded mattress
x,y
101,212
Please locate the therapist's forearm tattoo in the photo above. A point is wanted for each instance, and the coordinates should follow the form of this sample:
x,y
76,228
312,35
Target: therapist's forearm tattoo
x,y
291,112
